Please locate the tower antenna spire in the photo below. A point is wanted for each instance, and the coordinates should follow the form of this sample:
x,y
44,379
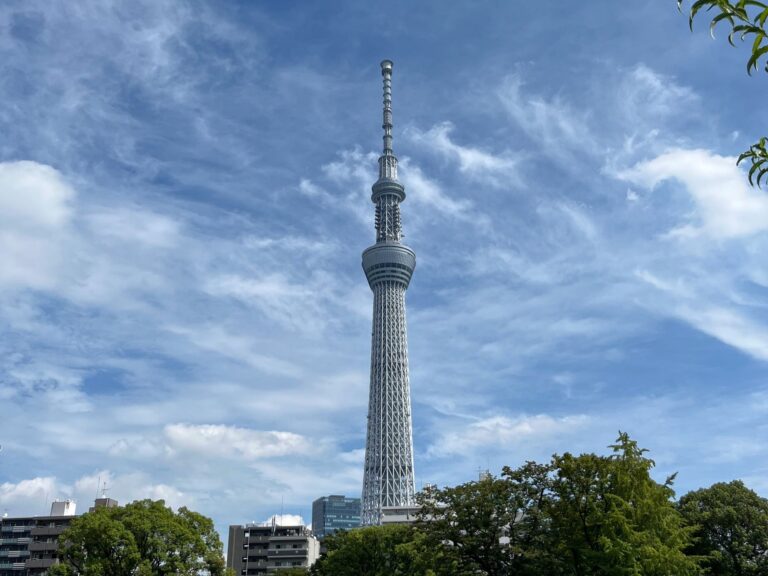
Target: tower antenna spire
x,y
388,160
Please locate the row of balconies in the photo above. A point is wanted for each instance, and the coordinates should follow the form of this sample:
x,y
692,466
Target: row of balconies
x,y
14,553
288,552
22,540
47,530
15,529
257,538
43,546
40,562
276,552
12,565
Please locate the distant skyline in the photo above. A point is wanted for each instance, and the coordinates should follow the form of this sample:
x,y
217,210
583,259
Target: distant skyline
x,y
185,194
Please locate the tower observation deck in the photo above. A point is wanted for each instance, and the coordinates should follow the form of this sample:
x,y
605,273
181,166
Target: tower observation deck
x,y
388,265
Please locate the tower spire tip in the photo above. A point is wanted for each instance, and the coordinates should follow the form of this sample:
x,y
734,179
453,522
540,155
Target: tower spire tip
x,y
387,161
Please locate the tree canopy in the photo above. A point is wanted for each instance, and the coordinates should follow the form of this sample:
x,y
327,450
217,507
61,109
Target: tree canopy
x,y
144,538
576,516
379,551
607,515
731,528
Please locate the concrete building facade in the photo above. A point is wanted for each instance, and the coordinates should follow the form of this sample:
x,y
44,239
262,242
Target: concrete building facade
x,y
255,549
29,544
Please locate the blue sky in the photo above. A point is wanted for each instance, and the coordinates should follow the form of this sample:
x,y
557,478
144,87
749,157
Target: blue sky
x,y
184,197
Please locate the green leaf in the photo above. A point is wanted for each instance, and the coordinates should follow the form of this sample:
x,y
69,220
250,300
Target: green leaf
x,y
698,5
761,18
717,19
755,168
752,63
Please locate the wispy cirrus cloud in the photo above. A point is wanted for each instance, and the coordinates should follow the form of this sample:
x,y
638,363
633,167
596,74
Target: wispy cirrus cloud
x,y
199,195
506,431
494,169
557,126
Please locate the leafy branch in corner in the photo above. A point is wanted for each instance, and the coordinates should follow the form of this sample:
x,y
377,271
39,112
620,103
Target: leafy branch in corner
x,y
747,19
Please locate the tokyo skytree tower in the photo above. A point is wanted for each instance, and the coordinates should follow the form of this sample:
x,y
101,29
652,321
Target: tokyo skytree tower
x,y
388,265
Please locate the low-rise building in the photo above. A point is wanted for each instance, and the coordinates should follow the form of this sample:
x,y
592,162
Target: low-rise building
x,y
255,549
29,544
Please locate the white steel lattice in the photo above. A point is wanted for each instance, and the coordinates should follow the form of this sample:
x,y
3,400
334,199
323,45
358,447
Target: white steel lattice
x,y
388,474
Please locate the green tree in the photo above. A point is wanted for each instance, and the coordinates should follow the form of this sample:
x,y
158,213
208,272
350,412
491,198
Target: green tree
x,y
732,528
144,538
490,526
747,19
584,515
376,551
97,544
607,516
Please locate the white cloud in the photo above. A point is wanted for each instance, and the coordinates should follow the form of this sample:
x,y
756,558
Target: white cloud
x,y
475,162
646,96
125,488
35,210
726,206
33,196
427,192
553,123
719,315
284,520
729,326
233,442
315,192
297,306
32,494
214,338
128,225
495,431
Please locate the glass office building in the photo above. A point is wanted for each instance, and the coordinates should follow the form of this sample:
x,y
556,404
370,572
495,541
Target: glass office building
x,y
331,513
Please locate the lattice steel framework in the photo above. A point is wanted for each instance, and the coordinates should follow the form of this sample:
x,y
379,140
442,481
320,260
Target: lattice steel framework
x,y
388,265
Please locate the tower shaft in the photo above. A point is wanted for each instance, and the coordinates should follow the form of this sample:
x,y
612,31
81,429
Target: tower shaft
x,y
388,473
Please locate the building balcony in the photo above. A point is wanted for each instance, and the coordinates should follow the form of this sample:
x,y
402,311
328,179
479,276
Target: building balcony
x,y
287,552
255,559
16,529
12,566
22,540
14,553
47,530
255,539
40,562
43,546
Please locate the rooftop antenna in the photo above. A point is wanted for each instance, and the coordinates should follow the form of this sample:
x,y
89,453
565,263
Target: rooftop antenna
x,y
98,484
